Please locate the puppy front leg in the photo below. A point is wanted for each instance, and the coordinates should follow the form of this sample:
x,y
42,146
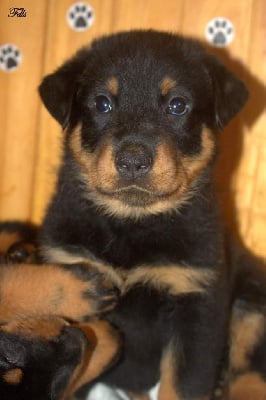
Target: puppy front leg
x,y
190,362
73,291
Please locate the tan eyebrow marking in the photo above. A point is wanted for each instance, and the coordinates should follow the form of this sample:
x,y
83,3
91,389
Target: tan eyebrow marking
x,y
113,85
167,84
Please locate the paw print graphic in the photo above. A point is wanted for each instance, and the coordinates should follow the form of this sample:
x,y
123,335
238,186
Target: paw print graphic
x,y
80,16
220,32
10,57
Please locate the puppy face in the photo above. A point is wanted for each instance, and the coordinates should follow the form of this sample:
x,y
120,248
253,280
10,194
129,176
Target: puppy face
x,y
140,109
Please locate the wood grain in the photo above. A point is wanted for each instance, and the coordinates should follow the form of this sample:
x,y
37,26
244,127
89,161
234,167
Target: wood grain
x,y
19,109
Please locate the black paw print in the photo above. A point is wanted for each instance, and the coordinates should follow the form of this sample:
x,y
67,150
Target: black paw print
x,y
10,57
220,32
80,16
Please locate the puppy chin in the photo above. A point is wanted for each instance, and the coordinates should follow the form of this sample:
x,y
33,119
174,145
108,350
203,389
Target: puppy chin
x,y
131,196
137,204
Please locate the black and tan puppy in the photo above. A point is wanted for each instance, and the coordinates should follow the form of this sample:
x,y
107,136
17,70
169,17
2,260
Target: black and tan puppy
x,y
135,212
46,352
141,113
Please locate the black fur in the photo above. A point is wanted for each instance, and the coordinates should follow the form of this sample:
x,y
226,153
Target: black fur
x,y
190,234
46,365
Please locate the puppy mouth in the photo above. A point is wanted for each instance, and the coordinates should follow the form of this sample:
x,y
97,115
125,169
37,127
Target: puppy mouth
x,y
137,196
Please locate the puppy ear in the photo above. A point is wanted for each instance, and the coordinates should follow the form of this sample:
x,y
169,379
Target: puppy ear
x,y
57,90
230,93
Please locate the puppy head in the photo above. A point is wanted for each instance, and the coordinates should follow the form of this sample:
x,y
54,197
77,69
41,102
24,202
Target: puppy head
x,y
140,111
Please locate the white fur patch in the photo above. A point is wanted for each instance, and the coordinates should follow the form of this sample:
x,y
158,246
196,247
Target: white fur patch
x,y
101,391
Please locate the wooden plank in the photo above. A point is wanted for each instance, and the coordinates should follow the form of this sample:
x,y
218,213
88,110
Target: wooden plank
x,y
255,233
19,108
148,14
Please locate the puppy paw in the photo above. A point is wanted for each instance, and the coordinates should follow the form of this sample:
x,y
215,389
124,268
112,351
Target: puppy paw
x,y
74,291
101,292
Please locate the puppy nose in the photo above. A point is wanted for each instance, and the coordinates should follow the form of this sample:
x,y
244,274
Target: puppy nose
x,y
133,162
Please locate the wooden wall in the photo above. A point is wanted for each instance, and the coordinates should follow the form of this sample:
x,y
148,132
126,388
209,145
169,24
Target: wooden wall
x,y
30,139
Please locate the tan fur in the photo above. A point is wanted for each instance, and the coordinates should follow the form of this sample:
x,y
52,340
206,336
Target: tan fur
x,y
114,207
246,331
41,327
13,376
60,256
167,84
7,239
103,345
168,389
167,174
173,278
248,387
194,165
85,159
137,396
105,171
98,170
55,296
169,185
113,86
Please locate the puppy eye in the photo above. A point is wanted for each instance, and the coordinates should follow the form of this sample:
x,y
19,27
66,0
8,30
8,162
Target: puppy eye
x,y
177,106
103,105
